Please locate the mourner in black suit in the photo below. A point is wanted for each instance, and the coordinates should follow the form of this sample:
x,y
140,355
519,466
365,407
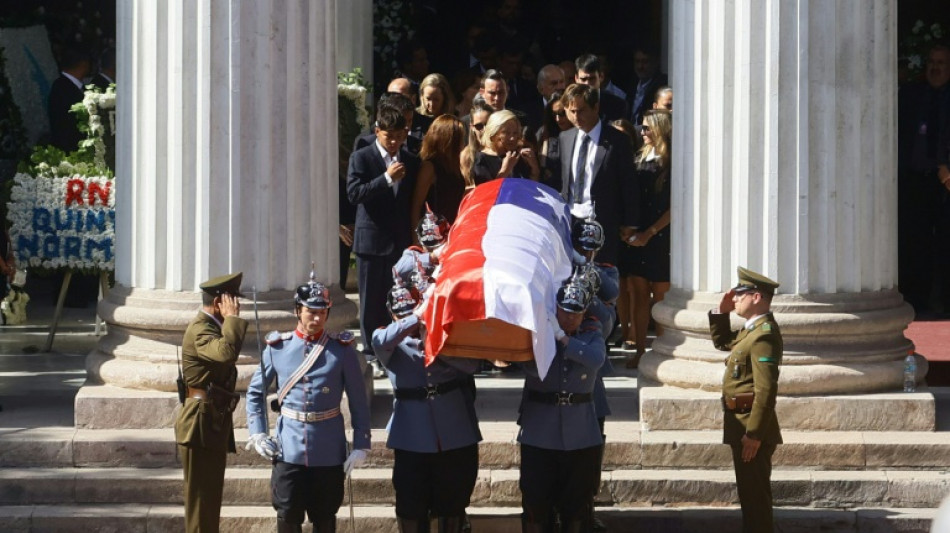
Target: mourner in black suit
x,y
67,90
590,72
106,75
404,105
379,183
595,170
649,79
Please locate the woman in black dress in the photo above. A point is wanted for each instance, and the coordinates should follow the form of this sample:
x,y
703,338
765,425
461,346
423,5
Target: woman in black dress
x,y
504,154
440,182
650,265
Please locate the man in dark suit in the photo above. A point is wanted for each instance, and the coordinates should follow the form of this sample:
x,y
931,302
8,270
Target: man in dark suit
x,y
591,72
106,75
595,170
404,105
379,183
649,79
67,90
420,123
550,79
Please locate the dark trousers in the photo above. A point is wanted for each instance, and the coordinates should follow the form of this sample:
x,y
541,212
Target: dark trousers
x,y
753,481
558,480
437,483
917,200
204,484
375,276
318,490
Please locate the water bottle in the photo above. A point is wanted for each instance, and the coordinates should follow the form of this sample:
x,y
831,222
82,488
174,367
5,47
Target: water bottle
x,y
910,373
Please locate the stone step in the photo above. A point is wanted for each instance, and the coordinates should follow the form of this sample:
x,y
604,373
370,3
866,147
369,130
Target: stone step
x,y
138,518
494,488
628,447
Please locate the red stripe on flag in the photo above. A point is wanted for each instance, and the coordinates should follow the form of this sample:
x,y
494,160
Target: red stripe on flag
x,y
459,293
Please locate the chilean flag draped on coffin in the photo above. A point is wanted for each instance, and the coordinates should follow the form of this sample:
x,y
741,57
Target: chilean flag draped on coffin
x,y
506,256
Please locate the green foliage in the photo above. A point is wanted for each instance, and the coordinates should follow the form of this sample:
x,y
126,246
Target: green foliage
x,y
352,78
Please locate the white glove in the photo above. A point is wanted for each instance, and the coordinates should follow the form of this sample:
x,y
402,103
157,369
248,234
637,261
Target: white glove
x,y
356,458
266,446
556,328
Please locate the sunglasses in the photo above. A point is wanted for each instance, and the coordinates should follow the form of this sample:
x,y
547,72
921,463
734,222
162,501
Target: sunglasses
x,y
479,127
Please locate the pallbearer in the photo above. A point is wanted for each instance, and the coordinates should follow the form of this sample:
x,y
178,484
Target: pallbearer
x,y
433,429
313,368
560,437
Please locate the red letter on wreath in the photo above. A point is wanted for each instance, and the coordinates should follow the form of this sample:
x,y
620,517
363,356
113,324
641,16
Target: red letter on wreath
x,y
74,190
95,189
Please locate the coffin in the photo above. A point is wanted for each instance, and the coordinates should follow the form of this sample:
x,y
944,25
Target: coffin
x,y
490,339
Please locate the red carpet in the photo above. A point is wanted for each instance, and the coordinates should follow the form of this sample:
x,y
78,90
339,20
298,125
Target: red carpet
x,y
931,339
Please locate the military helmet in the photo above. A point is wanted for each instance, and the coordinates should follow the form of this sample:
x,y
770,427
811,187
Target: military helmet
x,y
400,301
587,235
313,294
592,276
432,230
575,294
420,279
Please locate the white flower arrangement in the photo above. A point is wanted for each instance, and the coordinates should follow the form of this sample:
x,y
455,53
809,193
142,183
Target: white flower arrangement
x,y
356,94
61,220
95,103
392,25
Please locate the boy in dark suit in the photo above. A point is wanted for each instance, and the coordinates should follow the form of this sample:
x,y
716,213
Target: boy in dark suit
x,y
379,183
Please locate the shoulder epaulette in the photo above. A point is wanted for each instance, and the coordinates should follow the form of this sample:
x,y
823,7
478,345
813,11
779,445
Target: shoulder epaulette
x,y
275,338
415,248
344,337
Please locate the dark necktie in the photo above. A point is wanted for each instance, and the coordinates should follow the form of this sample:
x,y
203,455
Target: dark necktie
x,y
580,169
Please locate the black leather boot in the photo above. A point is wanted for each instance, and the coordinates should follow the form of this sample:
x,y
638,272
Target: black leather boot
x,y
287,527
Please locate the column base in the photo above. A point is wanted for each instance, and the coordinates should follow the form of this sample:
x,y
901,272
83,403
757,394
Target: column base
x,y
834,343
673,408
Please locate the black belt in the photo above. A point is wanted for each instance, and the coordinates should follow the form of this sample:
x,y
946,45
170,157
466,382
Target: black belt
x,y
559,398
427,393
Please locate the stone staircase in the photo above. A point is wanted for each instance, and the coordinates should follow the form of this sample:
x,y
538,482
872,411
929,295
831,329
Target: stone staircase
x,y
114,471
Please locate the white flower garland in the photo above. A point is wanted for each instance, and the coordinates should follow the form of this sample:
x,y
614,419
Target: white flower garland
x,y
94,102
357,95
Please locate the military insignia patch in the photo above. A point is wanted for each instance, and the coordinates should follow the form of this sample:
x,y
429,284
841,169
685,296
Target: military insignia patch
x,y
343,337
766,327
768,360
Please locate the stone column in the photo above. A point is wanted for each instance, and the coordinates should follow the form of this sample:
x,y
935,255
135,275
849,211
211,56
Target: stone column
x,y
784,161
354,30
227,160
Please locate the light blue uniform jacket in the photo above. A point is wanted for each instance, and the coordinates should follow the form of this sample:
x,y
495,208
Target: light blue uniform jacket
x,y
443,422
320,389
575,366
607,314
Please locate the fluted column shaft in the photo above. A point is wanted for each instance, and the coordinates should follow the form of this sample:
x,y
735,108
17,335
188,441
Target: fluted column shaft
x,y
227,160
784,161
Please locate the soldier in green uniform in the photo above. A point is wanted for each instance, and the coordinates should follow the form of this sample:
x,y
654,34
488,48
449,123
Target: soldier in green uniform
x,y
203,430
749,387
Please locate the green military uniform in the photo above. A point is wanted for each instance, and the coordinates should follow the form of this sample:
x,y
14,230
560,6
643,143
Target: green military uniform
x,y
752,367
203,430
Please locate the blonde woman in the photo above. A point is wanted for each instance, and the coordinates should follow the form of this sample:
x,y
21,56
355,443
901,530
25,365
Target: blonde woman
x,y
649,249
504,153
435,96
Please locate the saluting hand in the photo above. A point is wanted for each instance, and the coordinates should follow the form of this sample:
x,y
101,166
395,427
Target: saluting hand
x,y
230,306
726,305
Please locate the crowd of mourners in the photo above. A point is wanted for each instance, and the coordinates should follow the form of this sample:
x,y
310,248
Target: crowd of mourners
x,y
607,154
